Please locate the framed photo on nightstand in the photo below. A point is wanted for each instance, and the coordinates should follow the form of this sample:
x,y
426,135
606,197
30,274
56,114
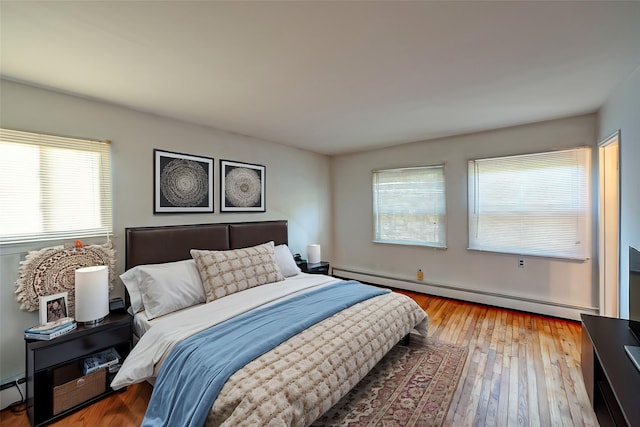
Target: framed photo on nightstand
x,y
53,308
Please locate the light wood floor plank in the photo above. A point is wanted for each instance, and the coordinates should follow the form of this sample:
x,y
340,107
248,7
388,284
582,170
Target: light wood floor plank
x,y
538,408
513,408
505,375
489,348
522,369
520,351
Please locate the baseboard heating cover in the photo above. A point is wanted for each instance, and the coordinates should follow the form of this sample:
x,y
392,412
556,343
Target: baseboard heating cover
x,y
514,302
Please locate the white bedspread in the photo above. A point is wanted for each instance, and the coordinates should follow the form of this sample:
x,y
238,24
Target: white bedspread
x,y
300,379
145,359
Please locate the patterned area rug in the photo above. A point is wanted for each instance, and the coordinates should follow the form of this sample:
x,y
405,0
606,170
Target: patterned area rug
x,y
410,386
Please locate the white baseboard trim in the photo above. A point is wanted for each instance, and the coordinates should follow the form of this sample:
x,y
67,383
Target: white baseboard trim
x,y
548,308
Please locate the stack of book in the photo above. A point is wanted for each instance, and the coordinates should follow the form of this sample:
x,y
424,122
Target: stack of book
x,y
51,330
105,359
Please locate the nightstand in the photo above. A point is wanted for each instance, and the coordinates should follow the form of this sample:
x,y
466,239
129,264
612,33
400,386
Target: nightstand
x,y
54,368
321,267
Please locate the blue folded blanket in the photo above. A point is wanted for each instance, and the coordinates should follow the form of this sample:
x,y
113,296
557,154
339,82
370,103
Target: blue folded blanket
x,y
197,368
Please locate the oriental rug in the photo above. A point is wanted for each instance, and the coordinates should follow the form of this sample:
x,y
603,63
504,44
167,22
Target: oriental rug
x,y
412,386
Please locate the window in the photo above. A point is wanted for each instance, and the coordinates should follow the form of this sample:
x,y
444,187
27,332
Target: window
x,y
409,206
53,187
534,204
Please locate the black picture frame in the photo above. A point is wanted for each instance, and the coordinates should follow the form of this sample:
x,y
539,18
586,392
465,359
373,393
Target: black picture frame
x,y
183,183
242,187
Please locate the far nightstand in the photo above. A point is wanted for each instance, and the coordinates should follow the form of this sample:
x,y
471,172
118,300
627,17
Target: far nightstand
x,y
321,267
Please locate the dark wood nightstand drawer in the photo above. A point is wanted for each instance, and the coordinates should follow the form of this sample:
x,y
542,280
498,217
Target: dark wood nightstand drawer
x,y
60,350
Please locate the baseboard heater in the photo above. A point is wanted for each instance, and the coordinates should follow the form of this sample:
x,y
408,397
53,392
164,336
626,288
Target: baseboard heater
x,y
514,302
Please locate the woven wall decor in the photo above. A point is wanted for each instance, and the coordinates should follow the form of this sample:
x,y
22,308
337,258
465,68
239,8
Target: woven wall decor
x,y
52,270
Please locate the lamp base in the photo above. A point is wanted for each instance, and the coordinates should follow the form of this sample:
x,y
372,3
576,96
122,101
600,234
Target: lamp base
x,y
92,323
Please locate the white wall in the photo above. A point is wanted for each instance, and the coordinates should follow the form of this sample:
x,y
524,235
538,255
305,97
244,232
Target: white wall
x,y
622,112
456,271
297,183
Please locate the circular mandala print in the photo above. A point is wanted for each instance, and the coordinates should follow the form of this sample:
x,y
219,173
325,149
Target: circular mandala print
x,y
184,183
242,187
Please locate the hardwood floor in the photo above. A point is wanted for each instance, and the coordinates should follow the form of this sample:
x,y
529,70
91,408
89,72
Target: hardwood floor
x,y
522,369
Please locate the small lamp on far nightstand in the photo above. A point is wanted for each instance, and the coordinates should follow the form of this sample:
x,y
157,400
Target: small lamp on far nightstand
x,y
313,253
92,294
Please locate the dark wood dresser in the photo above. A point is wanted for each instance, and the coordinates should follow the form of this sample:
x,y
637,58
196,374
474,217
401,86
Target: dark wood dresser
x,y
611,378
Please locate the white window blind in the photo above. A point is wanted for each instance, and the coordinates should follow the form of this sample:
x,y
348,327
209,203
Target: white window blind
x,y
409,206
534,204
53,187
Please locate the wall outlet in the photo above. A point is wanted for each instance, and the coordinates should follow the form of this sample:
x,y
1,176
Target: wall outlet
x,y
521,262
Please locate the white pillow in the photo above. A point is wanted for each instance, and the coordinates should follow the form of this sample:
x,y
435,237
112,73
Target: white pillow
x,y
131,278
169,287
287,264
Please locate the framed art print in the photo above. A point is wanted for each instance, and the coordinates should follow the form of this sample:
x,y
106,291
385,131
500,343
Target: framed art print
x,y
53,308
182,183
242,187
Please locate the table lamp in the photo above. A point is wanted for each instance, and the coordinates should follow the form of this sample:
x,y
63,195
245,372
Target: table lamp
x,y
313,253
92,294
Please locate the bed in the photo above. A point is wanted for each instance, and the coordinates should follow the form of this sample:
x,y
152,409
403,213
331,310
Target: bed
x,y
191,317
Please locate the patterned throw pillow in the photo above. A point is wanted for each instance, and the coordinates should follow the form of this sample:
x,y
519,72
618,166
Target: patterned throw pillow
x,y
226,272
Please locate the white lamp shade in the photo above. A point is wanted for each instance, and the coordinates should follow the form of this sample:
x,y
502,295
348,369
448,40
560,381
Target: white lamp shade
x,y
92,293
313,253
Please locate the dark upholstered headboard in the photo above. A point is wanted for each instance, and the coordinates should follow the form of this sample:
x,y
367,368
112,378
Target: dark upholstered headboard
x,y
155,245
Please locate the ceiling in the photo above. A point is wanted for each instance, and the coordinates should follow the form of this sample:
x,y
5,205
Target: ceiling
x,y
331,77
